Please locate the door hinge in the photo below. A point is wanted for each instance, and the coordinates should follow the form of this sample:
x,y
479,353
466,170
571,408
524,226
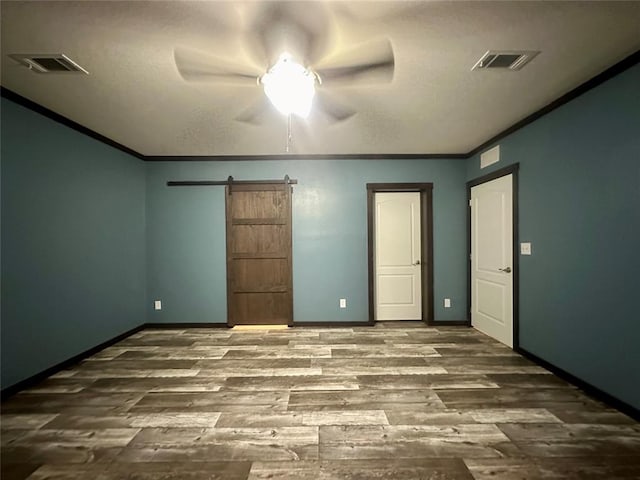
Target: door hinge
x,y
470,202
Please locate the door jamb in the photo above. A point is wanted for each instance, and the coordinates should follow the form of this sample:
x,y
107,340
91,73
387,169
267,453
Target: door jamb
x,y
513,171
426,241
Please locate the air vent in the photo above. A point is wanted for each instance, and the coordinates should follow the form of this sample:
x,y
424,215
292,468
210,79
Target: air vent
x,y
508,59
49,63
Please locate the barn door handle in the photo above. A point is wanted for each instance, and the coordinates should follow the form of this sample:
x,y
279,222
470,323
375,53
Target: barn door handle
x,y
417,262
505,270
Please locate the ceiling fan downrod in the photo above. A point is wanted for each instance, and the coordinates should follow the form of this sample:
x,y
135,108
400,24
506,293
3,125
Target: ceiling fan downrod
x,y
287,147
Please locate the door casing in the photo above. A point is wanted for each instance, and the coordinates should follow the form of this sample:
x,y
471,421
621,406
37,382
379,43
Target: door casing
x,y
510,170
426,241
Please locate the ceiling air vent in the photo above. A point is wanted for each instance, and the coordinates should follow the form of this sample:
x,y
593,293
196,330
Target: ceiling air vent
x,y
49,63
506,59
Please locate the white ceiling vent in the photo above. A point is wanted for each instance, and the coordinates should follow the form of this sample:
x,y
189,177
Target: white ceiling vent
x,y
49,63
505,59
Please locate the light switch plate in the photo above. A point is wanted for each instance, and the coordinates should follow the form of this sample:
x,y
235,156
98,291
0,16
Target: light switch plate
x,y
525,248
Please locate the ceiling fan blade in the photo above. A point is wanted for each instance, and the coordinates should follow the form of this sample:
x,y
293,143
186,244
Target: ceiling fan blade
x,y
381,11
194,65
301,29
257,113
371,62
334,110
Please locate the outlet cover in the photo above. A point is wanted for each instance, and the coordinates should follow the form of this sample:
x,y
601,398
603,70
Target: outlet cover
x,y
157,305
343,303
525,248
447,303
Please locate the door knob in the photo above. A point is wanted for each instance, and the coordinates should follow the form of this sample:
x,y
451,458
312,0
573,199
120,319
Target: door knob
x,y
505,270
417,262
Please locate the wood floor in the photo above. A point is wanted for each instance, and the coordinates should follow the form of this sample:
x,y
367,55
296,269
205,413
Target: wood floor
x,y
398,401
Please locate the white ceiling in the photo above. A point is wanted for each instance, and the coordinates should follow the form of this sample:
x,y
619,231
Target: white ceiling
x,y
435,104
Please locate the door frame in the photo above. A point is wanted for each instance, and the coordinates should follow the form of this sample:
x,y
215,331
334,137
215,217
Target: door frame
x,y
426,241
513,171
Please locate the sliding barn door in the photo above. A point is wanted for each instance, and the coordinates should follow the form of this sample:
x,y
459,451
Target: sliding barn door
x,y
259,271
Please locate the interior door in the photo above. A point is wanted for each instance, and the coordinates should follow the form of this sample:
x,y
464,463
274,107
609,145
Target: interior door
x,y
259,267
398,282
492,258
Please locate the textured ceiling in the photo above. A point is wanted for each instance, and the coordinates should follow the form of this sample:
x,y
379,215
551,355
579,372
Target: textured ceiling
x,y
435,104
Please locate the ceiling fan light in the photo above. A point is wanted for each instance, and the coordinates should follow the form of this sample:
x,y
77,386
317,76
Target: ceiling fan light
x,y
290,87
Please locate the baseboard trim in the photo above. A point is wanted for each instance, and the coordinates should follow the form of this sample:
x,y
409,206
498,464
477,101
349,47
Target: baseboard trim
x,y
333,324
185,325
452,323
589,389
38,377
224,325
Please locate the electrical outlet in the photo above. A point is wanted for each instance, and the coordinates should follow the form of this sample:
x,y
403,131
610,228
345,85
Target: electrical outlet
x,y
447,303
343,303
157,305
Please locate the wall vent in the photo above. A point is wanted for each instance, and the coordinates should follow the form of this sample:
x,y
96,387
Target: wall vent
x,y
490,157
505,59
49,63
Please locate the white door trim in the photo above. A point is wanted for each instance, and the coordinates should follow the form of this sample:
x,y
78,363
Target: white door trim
x,y
426,227
510,170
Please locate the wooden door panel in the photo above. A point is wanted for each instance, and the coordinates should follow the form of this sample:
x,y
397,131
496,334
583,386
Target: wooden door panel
x,y
259,278
271,239
251,205
261,308
260,275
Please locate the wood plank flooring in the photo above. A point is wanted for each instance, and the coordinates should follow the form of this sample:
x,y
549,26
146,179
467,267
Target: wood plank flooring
x,y
395,401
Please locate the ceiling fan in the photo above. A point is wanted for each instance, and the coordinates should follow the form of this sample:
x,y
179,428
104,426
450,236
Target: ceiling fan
x,y
291,42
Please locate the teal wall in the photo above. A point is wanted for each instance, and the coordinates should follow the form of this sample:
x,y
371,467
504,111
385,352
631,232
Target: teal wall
x,y
580,207
186,266
73,228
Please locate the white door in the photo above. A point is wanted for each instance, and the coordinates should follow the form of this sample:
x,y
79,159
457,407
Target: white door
x,y
398,285
492,259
